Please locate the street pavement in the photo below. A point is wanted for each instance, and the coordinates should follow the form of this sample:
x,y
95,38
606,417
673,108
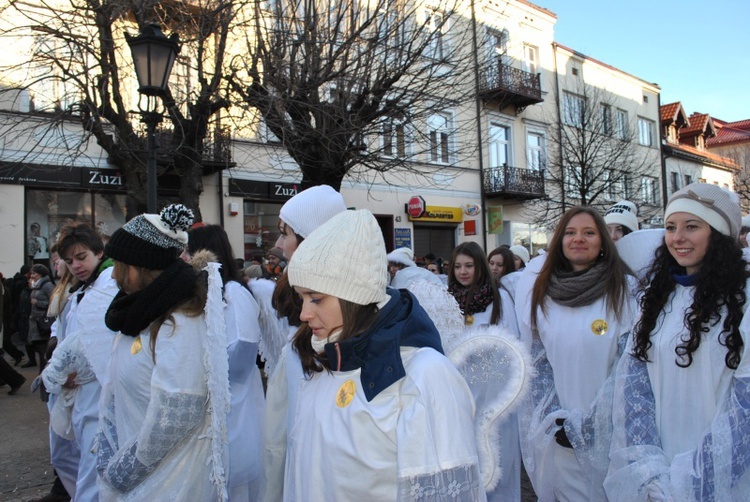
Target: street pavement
x,y
25,472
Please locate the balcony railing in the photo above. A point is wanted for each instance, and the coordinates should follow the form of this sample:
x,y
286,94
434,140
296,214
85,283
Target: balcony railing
x,y
215,154
516,182
504,83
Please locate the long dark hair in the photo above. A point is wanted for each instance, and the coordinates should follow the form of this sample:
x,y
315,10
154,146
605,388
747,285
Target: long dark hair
x,y
214,238
509,264
615,270
482,276
721,282
357,319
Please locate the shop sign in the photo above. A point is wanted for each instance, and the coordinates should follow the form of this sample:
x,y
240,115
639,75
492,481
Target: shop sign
x,y
102,178
402,238
470,227
442,214
262,190
495,219
46,176
416,207
471,210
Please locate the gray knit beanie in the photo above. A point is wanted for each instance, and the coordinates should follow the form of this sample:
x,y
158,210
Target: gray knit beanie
x,y
345,258
310,208
717,206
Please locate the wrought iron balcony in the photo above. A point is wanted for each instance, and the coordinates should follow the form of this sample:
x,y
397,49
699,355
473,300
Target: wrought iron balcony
x,y
215,155
502,82
513,182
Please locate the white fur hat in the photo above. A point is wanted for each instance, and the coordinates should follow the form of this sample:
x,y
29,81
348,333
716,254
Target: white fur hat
x,y
521,252
404,256
623,213
310,208
746,221
717,206
345,258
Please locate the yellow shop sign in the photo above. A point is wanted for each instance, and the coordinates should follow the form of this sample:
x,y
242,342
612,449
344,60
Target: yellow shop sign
x,y
441,214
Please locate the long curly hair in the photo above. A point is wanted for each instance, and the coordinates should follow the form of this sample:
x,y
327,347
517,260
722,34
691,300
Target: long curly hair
x,y
720,286
615,276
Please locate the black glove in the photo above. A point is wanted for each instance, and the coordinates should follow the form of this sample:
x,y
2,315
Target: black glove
x,y
560,436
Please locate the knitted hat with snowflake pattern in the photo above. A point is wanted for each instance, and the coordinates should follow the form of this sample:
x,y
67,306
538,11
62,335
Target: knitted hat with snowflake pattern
x,y
345,258
152,241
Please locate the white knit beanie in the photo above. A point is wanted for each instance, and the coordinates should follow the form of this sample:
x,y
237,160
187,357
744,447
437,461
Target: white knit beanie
x,y
345,258
521,252
746,221
717,206
310,208
404,256
623,213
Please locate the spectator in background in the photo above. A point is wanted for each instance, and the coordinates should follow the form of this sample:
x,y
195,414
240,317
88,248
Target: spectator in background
x,y
8,323
40,324
621,219
502,262
276,263
744,230
398,259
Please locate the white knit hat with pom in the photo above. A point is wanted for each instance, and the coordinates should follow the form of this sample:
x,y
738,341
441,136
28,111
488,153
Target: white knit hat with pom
x,y
310,208
344,257
404,256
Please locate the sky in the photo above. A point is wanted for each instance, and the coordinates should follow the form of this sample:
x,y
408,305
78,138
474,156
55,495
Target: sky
x,y
698,52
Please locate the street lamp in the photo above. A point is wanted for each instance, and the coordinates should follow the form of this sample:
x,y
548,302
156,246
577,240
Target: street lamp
x,y
153,55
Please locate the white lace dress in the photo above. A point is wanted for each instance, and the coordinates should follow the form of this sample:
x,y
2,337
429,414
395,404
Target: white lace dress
x,y
155,438
682,434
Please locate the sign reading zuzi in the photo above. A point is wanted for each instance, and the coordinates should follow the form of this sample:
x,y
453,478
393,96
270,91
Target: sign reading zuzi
x,y
285,191
99,178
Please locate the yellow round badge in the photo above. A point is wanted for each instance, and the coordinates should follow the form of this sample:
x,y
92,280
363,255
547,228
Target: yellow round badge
x,y
345,394
136,347
469,320
599,327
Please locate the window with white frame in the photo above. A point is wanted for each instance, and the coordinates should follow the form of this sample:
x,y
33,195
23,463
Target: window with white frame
x,y
499,145
394,139
606,119
530,59
621,124
650,190
688,179
645,132
535,155
436,26
573,182
675,181
573,109
439,133
498,45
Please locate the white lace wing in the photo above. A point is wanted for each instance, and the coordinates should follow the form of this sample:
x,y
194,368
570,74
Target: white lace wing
x,y
274,332
497,368
96,337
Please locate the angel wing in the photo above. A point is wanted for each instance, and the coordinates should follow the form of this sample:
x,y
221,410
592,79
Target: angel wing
x,y
497,367
274,332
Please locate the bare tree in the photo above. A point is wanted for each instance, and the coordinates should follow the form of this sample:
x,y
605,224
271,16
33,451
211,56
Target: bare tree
x,y
353,86
595,157
77,48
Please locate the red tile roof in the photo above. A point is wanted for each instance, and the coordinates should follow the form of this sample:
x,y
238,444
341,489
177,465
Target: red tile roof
x,y
674,112
725,162
700,123
735,132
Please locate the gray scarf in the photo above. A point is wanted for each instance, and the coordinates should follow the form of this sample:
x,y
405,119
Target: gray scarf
x,y
577,289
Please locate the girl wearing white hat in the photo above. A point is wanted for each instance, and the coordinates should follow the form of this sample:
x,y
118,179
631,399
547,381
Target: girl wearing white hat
x,y
381,414
682,399
574,313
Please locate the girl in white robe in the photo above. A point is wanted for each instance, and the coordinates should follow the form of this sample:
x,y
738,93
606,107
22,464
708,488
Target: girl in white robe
x,y
163,411
381,414
682,399
574,308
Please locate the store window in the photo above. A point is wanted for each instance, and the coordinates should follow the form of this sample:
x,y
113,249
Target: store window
x,y
261,228
48,211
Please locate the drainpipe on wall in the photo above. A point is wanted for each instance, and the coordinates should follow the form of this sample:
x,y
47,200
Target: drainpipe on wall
x,y
479,125
662,158
559,126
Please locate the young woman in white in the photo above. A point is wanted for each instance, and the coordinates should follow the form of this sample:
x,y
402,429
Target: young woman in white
x,y
163,409
574,312
471,283
682,400
381,414
245,419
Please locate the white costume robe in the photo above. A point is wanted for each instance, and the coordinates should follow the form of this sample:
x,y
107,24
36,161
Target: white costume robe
x,y
682,434
574,363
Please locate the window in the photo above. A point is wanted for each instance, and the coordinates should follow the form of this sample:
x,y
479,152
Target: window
x,y
649,190
394,138
688,179
573,110
612,185
675,182
535,158
645,98
435,28
498,48
621,124
439,133
499,145
645,132
573,182
530,59
606,117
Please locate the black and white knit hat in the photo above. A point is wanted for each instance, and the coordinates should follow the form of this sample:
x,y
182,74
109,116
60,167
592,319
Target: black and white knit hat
x,y
623,213
152,241
717,206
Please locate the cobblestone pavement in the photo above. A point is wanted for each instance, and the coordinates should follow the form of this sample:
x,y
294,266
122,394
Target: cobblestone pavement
x,y
25,473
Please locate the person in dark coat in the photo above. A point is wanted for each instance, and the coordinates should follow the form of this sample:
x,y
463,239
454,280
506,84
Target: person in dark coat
x,y
39,330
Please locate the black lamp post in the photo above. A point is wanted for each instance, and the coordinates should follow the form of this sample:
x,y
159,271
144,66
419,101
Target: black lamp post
x,y
154,55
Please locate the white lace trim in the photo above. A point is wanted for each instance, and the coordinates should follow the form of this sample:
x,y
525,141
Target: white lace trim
x,y
274,332
458,484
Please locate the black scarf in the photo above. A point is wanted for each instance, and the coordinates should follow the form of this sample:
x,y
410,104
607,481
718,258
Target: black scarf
x,y
479,301
132,313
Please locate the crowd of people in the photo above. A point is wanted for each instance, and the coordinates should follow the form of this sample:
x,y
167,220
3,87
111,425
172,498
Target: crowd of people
x,y
329,369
